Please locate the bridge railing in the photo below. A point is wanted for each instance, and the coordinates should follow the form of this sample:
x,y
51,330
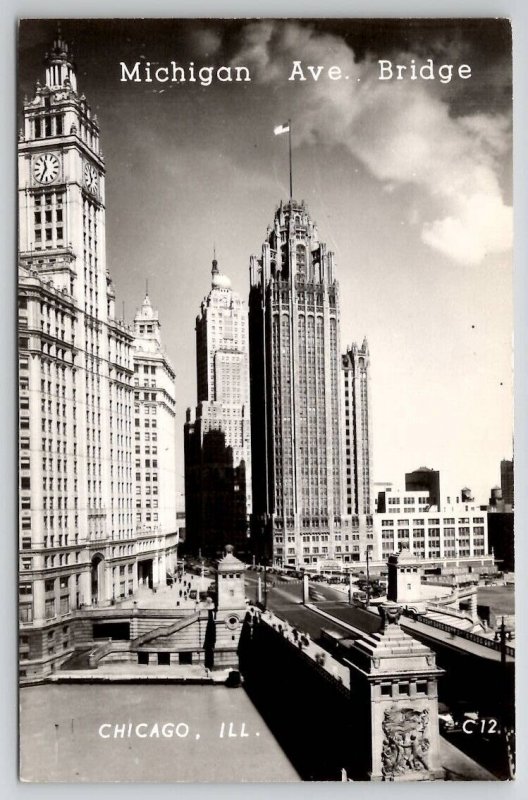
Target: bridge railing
x,y
328,667
472,637
452,612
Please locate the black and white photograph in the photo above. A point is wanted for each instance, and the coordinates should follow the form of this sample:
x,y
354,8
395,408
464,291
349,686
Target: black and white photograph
x,y
265,400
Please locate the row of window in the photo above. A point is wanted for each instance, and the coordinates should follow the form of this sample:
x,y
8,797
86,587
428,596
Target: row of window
x,y
389,523
48,125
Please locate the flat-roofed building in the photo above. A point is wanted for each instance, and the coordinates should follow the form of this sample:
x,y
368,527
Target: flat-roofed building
x,y
408,521
154,450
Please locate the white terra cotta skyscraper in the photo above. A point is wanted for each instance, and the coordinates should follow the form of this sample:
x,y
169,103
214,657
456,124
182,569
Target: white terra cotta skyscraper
x,y
77,535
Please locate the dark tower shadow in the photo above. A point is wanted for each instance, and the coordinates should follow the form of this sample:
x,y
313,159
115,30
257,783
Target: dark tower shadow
x,y
215,496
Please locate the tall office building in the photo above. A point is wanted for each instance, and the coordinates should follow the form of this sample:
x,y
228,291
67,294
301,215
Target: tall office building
x,y
295,367
75,372
358,438
154,450
218,499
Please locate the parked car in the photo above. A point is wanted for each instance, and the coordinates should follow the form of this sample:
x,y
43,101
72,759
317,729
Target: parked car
x,y
446,722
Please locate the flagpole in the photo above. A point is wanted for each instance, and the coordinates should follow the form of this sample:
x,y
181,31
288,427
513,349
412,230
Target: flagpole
x,y
291,171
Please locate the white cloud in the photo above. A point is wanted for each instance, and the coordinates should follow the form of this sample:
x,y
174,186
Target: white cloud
x,y
402,131
484,225
205,41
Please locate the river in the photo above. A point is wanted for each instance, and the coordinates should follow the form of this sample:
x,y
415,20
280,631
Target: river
x,y
151,733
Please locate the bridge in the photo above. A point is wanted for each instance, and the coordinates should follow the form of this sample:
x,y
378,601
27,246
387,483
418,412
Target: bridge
x,y
311,688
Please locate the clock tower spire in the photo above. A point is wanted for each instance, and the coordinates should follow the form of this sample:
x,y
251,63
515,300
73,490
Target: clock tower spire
x,y
61,187
60,70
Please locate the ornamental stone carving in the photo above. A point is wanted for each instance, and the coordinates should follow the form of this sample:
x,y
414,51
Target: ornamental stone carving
x,y
390,614
405,743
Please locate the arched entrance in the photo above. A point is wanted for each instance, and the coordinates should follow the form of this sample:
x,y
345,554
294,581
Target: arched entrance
x,y
98,579
145,572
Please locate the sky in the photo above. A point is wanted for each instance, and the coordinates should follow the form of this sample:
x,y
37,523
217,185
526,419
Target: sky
x,y
409,183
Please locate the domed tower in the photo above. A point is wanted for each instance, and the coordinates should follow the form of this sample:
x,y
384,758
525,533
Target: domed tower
x,y
217,443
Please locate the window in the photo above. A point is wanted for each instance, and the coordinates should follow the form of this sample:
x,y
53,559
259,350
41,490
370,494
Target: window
x,y
49,608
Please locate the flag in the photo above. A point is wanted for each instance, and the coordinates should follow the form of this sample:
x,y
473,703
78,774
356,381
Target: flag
x,y
282,129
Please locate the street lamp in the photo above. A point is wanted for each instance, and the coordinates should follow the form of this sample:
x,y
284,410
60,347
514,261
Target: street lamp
x,y
265,558
368,577
504,635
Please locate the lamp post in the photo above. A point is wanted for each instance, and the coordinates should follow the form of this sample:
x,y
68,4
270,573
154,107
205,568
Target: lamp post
x,y
368,577
265,558
265,575
507,728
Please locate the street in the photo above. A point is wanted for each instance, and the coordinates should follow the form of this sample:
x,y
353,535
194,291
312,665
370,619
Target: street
x,y
284,599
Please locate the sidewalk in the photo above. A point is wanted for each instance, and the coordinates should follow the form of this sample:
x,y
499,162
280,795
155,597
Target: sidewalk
x,y
318,654
172,597
124,671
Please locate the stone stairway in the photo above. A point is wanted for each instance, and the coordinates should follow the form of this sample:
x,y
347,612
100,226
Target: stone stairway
x,y
78,660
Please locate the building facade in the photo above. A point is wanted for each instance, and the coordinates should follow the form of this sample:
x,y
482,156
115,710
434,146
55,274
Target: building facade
x,y
154,450
295,368
358,436
410,521
501,537
75,376
218,487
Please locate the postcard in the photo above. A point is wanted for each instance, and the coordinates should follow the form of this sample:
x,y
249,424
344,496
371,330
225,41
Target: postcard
x,y
266,473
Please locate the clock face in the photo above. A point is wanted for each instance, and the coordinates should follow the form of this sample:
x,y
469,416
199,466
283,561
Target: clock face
x,y
46,168
90,178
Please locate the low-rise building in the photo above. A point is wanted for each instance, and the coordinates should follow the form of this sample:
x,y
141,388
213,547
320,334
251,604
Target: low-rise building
x,y
408,521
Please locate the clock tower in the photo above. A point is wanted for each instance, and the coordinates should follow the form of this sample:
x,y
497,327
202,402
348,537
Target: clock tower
x,y
77,538
61,184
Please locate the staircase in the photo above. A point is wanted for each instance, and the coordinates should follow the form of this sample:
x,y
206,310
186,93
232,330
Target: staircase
x,y
95,654
164,630
78,660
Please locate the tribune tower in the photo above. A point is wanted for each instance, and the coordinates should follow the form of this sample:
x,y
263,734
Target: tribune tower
x,y
295,368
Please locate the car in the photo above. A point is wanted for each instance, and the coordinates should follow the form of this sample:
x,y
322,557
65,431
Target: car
x,y
446,722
